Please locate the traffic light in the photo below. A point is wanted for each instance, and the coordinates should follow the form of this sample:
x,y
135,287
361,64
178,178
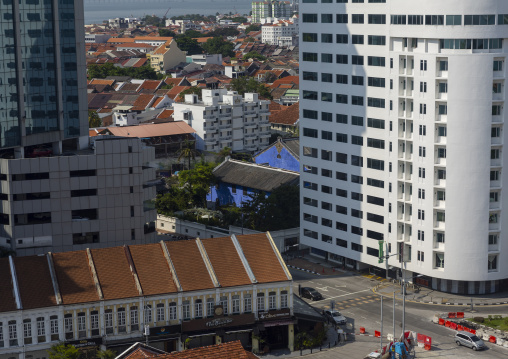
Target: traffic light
x,y
381,252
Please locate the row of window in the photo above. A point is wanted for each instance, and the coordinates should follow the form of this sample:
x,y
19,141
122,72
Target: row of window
x,y
343,38
130,316
343,138
343,119
344,59
343,99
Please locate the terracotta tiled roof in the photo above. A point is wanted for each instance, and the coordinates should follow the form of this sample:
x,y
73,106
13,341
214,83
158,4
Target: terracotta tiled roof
x,y
175,81
189,265
7,302
157,101
148,260
166,114
131,45
143,101
150,84
175,91
261,257
275,107
34,279
286,80
288,116
202,39
129,88
152,130
223,256
114,274
230,350
75,280
102,82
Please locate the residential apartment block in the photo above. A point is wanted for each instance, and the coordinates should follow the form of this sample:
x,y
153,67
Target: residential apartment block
x,y
402,133
78,196
269,9
280,32
207,291
225,119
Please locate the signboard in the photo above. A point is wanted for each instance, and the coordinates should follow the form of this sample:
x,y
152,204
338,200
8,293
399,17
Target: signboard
x,y
274,315
166,330
85,343
211,324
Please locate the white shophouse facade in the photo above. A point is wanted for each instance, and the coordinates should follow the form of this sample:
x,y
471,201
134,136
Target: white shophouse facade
x,y
402,133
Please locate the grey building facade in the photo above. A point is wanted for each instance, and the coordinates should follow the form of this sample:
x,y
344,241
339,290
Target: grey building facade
x,y
77,197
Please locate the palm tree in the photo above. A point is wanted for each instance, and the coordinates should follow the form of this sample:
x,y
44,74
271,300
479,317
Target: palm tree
x,y
188,151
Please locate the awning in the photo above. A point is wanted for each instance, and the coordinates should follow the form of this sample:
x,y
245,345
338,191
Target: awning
x,y
279,322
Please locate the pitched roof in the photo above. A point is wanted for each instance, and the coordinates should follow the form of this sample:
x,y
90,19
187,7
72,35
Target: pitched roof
x,y
74,278
166,114
175,91
292,144
143,101
288,116
113,271
223,256
286,80
101,82
152,130
140,351
150,84
7,301
261,257
149,259
229,350
254,176
35,284
190,268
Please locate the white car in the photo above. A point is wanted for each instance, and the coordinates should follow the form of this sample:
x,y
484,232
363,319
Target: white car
x,y
335,317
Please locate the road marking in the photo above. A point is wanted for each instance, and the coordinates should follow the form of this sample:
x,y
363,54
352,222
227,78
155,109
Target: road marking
x,y
343,295
324,289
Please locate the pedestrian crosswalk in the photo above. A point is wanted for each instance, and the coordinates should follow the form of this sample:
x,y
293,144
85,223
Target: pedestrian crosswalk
x,y
348,303
373,276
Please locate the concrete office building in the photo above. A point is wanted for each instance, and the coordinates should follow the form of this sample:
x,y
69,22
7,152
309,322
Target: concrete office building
x,y
43,111
225,119
271,9
402,133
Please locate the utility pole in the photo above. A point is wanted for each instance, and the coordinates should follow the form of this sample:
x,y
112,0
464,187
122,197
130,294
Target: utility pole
x,y
381,336
394,317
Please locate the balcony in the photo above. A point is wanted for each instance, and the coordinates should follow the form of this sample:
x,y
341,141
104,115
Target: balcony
x,y
440,140
265,134
227,114
495,162
225,126
225,138
439,225
251,147
250,135
441,118
497,119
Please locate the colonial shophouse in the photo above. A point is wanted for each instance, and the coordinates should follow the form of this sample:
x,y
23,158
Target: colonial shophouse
x,y
192,293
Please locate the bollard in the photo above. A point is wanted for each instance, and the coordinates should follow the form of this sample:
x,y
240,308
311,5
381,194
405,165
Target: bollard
x,y
311,350
329,343
300,351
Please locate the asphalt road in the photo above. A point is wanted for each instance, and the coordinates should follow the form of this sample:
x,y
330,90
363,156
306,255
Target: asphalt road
x,y
352,295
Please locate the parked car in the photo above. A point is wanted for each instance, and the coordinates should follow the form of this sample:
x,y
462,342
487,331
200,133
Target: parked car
x,y
311,293
41,152
335,317
469,340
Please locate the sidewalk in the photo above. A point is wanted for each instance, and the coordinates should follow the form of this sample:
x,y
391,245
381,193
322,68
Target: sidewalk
x,y
386,288
429,296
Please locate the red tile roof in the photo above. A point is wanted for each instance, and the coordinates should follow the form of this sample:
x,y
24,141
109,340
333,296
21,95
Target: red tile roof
x,y
114,274
74,277
189,266
285,80
148,260
288,115
34,280
223,256
166,114
229,350
261,257
150,85
7,301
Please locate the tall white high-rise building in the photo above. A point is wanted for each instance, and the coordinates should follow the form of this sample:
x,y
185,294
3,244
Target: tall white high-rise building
x,y
402,133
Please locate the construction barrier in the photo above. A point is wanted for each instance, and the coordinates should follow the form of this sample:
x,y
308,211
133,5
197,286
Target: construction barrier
x,y
492,339
460,314
453,326
460,328
448,323
362,330
428,343
377,333
441,321
452,315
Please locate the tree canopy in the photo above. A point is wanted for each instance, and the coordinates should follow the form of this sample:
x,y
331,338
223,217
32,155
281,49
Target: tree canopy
x,y
224,31
63,351
194,17
189,45
195,90
109,69
218,45
93,119
245,85
254,55
154,20
252,28
166,32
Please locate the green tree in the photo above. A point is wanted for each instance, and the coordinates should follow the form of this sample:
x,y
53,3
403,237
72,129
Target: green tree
x,y
193,33
189,45
218,45
176,199
222,154
249,39
269,77
94,119
154,20
252,28
145,72
166,32
244,84
224,31
195,90
188,151
254,55
63,351
106,354
239,19
197,182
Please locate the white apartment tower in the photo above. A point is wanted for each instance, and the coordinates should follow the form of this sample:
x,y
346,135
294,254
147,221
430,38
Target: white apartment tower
x,y
402,133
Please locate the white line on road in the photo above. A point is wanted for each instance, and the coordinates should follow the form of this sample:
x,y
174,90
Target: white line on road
x,y
343,295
